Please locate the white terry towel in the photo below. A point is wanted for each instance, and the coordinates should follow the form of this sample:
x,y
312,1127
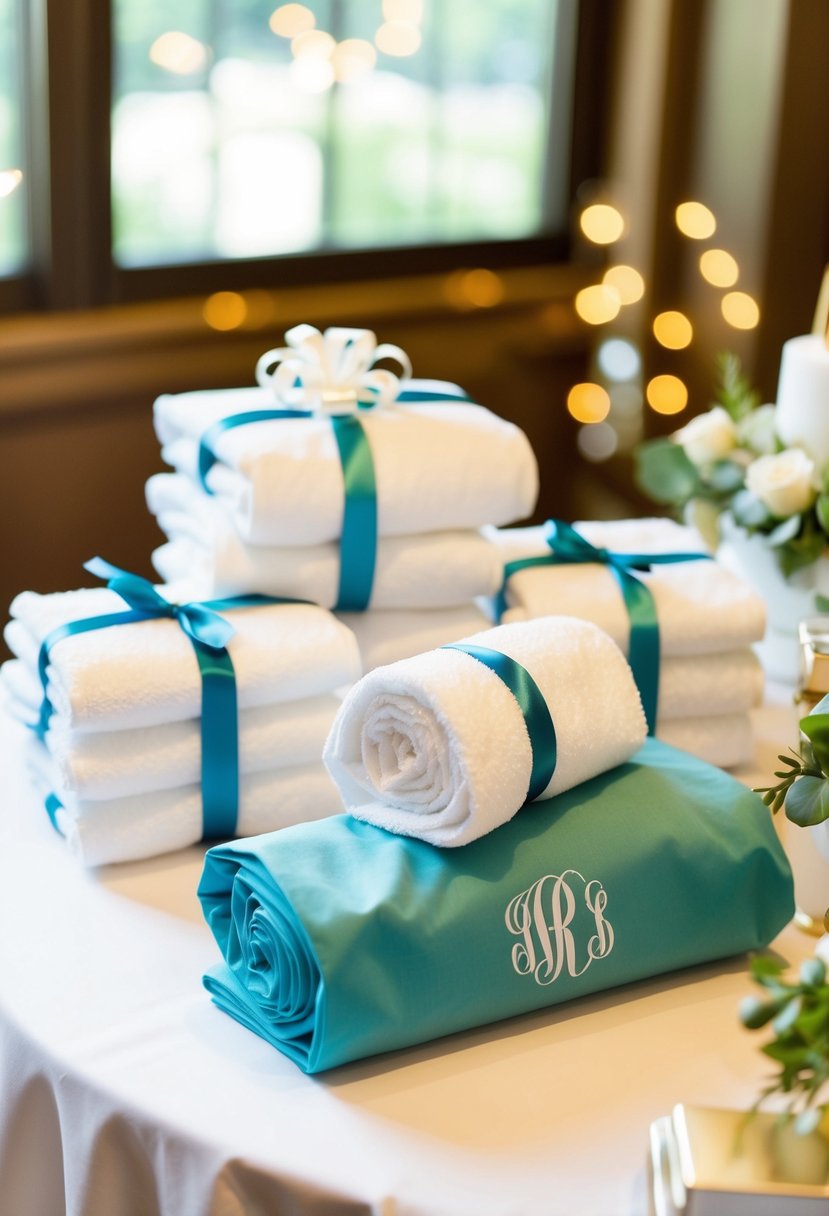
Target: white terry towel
x,y
438,466
701,606
145,673
437,747
725,740
119,763
707,685
432,570
385,637
128,829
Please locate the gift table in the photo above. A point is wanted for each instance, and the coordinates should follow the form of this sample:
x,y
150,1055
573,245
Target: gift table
x,y
124,1092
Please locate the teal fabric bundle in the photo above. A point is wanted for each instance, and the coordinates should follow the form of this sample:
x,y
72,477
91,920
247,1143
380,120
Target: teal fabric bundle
x,y
342,940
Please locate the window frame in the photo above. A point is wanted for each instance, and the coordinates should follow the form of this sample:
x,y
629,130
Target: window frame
x,y
67,98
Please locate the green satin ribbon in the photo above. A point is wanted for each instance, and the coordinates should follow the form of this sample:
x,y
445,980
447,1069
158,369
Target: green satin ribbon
x,y
358,537
531,702
209,635
569,547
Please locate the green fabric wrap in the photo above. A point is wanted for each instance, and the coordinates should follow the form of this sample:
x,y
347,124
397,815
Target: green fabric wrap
x,y
342,940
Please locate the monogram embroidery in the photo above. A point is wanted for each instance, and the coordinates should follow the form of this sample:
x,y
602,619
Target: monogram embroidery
x,y
551,919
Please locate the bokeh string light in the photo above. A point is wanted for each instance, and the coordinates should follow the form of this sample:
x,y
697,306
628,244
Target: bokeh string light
x,y
610,413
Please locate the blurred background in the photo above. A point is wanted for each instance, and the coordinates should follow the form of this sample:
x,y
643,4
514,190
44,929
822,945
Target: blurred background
x,y
567,206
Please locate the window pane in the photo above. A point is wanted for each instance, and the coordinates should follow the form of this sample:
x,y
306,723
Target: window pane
x,y
232,140
12,186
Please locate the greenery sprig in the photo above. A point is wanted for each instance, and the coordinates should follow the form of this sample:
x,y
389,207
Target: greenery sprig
x,y
799,1016
803,787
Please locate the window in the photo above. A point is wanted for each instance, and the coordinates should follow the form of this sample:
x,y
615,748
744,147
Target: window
x,y
186,144
12,188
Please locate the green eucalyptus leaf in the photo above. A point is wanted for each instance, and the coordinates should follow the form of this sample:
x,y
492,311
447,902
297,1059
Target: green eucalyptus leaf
x,y
816,728
664,472
725,476
807,802
822,511
749,511
821,602
801,552
765,965
787,1016
785,531
813,972
755,1012
807,1121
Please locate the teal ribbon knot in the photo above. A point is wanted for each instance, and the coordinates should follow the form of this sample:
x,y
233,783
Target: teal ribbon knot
x,y
209,634
569,547
358,535
534,708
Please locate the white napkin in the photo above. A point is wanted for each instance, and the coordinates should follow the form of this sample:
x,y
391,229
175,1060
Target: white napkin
x,y
127,829
701,606
437,747
145,673
438,466
432,570
385,637
725,740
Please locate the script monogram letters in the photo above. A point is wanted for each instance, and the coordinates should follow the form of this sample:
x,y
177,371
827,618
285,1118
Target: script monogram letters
x,y
542,919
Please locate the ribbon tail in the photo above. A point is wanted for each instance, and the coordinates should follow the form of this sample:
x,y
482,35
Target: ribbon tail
x,y
643,648
358,539
219,743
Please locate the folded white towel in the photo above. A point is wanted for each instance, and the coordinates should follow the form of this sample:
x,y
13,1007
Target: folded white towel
x,y
706,685
119,763
127,829
437,747
385,637
432,570
437,466
145,673
725,740
701,606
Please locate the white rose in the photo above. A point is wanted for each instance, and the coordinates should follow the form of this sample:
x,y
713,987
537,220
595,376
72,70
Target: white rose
x,y
785,482
708,437
756,430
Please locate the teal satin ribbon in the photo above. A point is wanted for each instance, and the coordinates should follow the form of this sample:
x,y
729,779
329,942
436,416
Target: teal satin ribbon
x,y
209,634
569,547
358,537
532,705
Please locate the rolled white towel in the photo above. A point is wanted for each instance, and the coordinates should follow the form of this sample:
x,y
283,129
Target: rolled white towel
x,y
128,829
701,606
432,570
725,740
438,466
437,747
145,673
385,637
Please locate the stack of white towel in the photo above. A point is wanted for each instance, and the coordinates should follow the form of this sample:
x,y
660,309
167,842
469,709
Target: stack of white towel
x,y
708,619
121,761
273,519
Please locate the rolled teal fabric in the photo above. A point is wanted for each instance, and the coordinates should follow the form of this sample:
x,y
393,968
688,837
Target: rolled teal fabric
x,y
342,940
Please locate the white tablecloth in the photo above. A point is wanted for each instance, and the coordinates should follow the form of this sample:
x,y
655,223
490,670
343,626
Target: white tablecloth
x,y
124,1092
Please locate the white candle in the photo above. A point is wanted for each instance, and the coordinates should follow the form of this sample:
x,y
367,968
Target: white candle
x,y
802,416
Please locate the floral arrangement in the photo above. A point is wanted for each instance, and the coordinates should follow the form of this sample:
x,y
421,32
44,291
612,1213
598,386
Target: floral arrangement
x,y
731,460
803,784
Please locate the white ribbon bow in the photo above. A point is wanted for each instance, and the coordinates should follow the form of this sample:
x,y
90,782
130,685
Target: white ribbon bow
x,y
332,372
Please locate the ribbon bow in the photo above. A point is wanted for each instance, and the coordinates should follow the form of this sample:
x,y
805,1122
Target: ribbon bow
x,y
569,547
209,634
332,372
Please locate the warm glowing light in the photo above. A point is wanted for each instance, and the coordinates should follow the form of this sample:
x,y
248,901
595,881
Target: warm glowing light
x,y
740,310
178,52
601,223
260,309
696,221
291,19
719,268
225,310
313,44
673,330
312,74
626,281
478,288
597,304
618,359
598,442
403,10
666,394
398,38
10,179
588,402
352,59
